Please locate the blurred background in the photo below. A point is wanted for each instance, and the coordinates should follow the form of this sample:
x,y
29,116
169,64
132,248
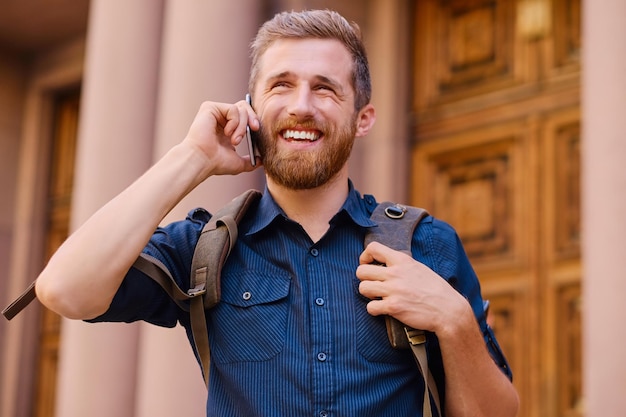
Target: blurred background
x,y
480,114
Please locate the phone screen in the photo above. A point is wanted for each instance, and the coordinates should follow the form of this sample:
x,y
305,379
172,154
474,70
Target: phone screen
x,y
251,137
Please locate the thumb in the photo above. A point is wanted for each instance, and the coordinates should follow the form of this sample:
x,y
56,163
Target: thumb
x,y
375,252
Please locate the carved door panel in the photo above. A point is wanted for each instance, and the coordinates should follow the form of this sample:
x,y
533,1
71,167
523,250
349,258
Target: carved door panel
x,y
496,154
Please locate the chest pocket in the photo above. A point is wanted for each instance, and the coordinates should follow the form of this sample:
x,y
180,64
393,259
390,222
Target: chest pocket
x,y
250,322
372,341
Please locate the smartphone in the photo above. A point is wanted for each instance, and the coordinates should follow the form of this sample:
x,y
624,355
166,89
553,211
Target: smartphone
x,y
251,137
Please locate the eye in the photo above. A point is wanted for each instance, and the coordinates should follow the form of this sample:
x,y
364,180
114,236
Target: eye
x,y
324,90
280,84
324,87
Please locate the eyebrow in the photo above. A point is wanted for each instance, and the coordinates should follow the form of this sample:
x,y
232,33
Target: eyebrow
x,y
287,74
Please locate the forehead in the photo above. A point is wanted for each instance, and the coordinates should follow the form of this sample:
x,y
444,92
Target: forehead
x,y
307,58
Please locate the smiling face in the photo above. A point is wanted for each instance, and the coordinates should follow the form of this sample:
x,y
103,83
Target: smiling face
x,y
305,100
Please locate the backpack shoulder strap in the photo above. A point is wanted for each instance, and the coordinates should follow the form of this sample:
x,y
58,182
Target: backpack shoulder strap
x,y
396,226
216,240
212,248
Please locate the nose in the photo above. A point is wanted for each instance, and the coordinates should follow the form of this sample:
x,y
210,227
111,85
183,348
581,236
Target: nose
x,y
301,103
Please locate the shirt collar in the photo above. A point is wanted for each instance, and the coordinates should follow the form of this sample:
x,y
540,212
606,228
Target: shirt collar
x,y
355,207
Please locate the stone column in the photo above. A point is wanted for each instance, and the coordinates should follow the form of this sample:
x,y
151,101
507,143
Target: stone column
x,y
205,56
97,364
604,206
380,161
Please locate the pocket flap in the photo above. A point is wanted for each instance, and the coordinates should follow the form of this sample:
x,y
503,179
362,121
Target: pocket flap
x,y
249,288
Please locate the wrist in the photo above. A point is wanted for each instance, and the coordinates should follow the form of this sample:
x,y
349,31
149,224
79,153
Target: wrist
x,y
459,320
192,164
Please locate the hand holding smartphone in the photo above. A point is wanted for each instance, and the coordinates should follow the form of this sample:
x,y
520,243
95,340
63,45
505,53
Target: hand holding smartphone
x,y
251,137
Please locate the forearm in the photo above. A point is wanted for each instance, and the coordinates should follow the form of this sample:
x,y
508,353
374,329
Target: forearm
x,y
82,277
474,384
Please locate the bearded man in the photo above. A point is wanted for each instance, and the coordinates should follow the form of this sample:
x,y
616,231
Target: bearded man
x,y
298,285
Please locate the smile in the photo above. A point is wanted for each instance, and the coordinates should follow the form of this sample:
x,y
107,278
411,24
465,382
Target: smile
x,y
306,135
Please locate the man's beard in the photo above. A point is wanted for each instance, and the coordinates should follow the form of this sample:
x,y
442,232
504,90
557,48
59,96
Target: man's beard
x,y
306,169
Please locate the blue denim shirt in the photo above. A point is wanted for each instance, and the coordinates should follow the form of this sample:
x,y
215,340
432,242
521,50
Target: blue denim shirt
x,y
291,335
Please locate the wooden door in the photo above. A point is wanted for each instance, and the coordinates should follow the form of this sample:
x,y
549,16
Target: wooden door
x,y
495,152
61,180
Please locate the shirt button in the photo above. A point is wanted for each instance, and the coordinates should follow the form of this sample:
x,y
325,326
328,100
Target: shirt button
x,y
246,295
321,356
319,301
323,413
315,252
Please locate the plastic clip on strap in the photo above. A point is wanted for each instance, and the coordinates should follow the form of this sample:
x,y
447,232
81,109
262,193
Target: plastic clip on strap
x,y
417,341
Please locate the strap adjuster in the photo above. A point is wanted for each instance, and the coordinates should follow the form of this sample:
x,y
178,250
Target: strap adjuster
x,y
200,283
415,336
194,292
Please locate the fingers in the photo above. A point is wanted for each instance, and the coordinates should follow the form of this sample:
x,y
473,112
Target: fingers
x,y
379,270
390,279
380,254
216,131
406,289
238,116
378,308
228,119
368,256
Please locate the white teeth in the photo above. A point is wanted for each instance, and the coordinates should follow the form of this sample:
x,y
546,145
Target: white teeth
x,y
301,135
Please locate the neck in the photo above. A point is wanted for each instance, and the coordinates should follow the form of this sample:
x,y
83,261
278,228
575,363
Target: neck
x,y
312,208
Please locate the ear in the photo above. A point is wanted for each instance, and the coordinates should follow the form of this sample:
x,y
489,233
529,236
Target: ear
x,y
365,120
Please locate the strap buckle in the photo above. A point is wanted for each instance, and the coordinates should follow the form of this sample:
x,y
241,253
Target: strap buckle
x,y
194,292
415,336
199,282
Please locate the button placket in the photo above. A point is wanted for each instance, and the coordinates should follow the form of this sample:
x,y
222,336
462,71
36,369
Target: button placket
x,y
321,328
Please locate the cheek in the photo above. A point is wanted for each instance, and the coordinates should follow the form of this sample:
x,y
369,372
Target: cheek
x,y
267,117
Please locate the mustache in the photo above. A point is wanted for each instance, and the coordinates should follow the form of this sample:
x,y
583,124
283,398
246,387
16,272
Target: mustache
x,y
293,123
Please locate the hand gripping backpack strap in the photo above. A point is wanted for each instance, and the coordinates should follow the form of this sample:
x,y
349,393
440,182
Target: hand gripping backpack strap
x,y
396,225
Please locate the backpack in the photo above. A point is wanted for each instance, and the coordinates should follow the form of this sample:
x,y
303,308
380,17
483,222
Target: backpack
x,y
396,224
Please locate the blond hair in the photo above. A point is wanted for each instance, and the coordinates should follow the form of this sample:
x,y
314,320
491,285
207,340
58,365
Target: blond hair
x,y
319,24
